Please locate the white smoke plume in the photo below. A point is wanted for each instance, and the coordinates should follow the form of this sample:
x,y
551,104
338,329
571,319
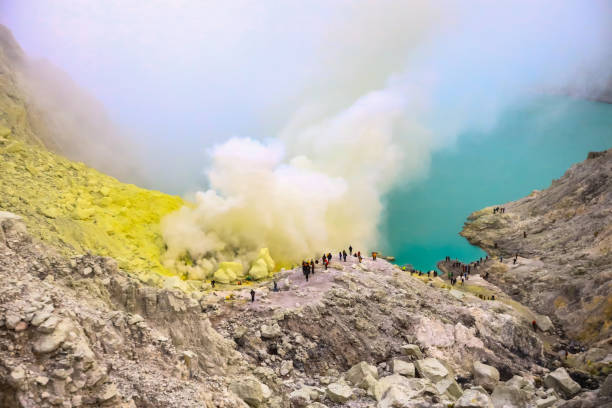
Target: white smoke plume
x,y
320,185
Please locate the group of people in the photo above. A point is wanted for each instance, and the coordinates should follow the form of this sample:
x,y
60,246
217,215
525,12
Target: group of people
x,y
464,270
499,210
308,267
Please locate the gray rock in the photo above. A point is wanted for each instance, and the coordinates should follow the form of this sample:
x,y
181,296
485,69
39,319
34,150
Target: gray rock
x,y
413,351
475,397
49,324
251,391
449,387
51,342
41,316
17,377
338,392
300,398
403,368
286,367
546,402
412,387
485,375
562,383
358,375
11,320
316,405
271,331
431,368
506,396
544,323
606,387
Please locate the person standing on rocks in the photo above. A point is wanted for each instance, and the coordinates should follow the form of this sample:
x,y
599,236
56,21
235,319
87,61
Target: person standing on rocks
x,y
253,295
344,255
350,250
329,257
312,268
212,283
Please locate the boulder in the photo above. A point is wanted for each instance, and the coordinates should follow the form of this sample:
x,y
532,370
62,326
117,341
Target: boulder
x,y
412,387
547,402
251,391
449,387
300,397
431,368
475,397
359,373
402,367
544,323
271,331
51,342
338,392
286,367
412,351
561,382
485,375
606,387
505,396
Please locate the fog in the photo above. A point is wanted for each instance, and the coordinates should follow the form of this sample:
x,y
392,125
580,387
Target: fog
x,y
294,119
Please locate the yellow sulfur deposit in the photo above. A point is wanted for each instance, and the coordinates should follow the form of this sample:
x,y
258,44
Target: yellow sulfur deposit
x,y
78,209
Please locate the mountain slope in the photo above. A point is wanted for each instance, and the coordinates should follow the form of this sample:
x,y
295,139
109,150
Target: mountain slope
x,y
565,261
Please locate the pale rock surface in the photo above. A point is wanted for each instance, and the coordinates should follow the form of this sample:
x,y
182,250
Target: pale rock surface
x,y
561,382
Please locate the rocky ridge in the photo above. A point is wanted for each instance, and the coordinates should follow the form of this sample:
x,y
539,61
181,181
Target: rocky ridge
x,y
80,332
563,238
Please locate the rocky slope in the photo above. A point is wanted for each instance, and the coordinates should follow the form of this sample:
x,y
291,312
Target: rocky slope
x,y
81,332
563,236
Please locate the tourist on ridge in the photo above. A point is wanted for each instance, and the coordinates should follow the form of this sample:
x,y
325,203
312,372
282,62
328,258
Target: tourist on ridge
x,y
329,257
312,268
340,255
212,283
350,250
374,256
275,287
534,325
344,255
252,295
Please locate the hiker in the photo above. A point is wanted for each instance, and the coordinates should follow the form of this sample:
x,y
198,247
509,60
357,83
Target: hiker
x,y
359,256
252,295
514,261
534,325
462,280
487,275
344,255
492,297
501,259
323,258
340,255
312,268
350,250
325,263
275,287
329,257
374,256
212,283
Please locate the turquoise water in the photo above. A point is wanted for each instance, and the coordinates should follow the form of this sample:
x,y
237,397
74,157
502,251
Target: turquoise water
x,y
529,146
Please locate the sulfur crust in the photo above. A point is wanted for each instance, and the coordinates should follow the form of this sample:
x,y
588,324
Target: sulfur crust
x,y
78,209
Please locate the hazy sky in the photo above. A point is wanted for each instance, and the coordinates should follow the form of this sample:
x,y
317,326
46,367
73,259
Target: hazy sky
x,y
187,74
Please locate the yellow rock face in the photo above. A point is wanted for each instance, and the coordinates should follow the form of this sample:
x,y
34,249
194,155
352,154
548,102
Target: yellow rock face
x,y
78,209
229,272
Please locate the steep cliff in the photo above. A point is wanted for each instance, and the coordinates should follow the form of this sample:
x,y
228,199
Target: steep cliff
x,y
563,237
